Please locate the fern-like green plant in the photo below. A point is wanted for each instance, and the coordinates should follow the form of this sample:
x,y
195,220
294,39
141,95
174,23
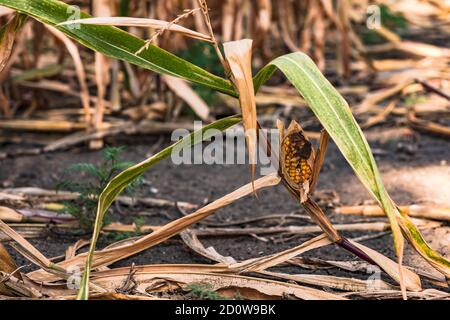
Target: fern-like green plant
x,y
203,291
89,184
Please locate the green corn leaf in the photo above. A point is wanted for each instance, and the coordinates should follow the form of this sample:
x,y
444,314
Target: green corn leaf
x,y
335,115
116,43
126,177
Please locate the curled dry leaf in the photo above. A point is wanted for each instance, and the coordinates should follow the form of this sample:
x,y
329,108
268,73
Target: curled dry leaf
x,y
14,286
10,215
239,57
411,280
140,22
264,13
81,74
7,264
338,283
182,89
71,251
30,252
7,36
256,265
190,238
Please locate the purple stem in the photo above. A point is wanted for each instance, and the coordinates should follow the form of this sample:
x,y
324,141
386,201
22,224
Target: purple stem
x,y
347,245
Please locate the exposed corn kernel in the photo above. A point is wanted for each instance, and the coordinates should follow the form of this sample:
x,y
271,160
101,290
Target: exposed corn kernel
x,y
297,151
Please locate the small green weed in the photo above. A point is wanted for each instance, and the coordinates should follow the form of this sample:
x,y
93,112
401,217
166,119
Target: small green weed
x,y
91,182
203,291
119,236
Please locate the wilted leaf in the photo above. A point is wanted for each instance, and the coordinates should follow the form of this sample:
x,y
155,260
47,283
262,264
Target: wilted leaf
x,y
7,36
338,283
140,22
239,57
28,251
7,264
411,280
79,68
182,89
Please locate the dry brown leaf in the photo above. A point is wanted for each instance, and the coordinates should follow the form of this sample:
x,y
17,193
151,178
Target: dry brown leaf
x,y
7,38
427,126
319,159
160,268
254,265
14,286
141,22
118,296
190,239
120,227
31,253
41,125
422,49
298,230
228,14
375,97
100,8
75,54
417,211
58,87
427,294
182,89
71,251
411,280
381,115
337,283
239,57
10,215
35,256
7,266
264,14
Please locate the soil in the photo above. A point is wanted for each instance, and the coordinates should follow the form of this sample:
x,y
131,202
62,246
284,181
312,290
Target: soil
x,y
419,172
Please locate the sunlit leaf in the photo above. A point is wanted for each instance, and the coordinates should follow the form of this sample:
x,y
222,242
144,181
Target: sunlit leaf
x,y
239,57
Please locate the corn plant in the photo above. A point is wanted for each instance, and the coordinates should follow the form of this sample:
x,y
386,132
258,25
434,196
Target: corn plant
x,y
299,165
